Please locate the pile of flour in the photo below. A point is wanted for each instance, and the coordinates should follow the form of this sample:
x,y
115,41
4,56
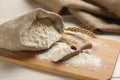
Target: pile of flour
x,y
57,51
41,35
84,58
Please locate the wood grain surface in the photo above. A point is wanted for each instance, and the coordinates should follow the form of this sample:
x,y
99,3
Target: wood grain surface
x,y
107,54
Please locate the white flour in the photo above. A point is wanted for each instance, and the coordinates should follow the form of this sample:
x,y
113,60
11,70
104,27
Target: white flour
x,y
41,35
84,58
56,52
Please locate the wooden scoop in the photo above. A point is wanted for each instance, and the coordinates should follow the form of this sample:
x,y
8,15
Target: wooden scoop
x,y
77,49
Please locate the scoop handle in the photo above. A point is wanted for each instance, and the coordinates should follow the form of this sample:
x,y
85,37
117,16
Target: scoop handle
x,y
86,45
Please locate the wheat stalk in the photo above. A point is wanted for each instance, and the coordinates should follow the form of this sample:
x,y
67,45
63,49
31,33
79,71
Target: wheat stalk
x,y
81,30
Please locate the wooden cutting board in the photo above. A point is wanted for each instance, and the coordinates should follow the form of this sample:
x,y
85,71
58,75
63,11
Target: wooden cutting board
x,y
107,54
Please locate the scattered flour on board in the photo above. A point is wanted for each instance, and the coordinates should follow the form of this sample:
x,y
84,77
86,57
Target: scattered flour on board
x,y
84,58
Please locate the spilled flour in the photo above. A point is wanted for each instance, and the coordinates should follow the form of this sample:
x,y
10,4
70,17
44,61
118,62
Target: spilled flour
x,y
56,52
41,35
60,48
84,59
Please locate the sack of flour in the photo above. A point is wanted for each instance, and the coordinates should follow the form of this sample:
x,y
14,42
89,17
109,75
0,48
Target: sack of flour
x,y
36,30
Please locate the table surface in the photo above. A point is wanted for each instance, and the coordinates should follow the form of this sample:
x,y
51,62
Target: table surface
x,y
8,71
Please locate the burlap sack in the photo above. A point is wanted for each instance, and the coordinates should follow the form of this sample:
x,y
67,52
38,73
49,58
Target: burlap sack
x,y
99,15
15,34
95,23
113,6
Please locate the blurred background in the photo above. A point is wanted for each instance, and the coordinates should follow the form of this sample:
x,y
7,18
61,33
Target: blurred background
x,y
93,15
